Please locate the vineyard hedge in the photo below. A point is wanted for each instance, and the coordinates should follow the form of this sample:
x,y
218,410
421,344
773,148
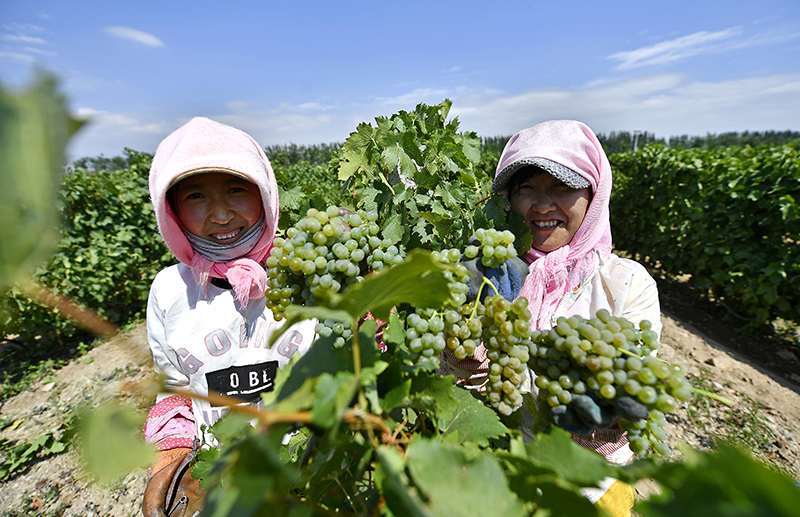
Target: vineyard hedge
x,y
110,249
729,217
108,253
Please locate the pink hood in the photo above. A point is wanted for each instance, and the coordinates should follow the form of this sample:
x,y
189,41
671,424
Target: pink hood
x,y
574,145
203,145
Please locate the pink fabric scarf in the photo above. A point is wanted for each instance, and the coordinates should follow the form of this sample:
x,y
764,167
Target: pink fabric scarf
x,y
199,146
553,275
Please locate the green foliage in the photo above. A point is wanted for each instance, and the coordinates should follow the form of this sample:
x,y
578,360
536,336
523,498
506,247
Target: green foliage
x,y
304,185
751,138
421,175
34,128
111,441
282,156
725,483
108,253
102,163
728,217
19,456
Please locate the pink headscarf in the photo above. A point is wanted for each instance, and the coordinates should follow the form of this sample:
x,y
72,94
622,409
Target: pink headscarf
x,y
203,145
575,146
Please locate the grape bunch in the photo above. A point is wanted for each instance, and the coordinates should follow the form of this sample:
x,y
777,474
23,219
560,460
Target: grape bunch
x,y
324,253
427,332
609,359
495,247
506,335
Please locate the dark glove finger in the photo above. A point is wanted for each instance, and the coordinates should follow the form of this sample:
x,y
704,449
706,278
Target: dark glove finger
x,y
630,409
591,413
566,419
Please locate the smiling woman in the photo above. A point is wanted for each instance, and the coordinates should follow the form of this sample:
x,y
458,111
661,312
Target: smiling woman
x,y
217,206
552,209
216,202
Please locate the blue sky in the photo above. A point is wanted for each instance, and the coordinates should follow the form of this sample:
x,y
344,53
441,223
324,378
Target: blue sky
x,y
309,72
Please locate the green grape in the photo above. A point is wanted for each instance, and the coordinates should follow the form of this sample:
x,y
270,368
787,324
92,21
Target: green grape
x,y
609,357
317,255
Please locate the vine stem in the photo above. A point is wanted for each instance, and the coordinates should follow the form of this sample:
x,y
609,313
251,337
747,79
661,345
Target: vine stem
x,y
269,418
362,398
720,398
485,281
85,318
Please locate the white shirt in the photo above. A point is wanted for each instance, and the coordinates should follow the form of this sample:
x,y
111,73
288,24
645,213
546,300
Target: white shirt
x,y
202,340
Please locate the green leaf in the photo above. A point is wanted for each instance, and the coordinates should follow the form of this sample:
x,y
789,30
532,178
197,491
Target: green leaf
x,y
112,443
391,477
324,358
34,129
393,227
351,162
333,395
556,451
471,420
395,156
727,482
434,393
292,198
418,281
457,483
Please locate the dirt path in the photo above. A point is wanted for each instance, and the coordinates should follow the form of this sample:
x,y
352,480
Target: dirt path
x,y
56,485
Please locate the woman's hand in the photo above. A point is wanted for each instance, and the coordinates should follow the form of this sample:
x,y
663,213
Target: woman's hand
x,y
508,277
584,414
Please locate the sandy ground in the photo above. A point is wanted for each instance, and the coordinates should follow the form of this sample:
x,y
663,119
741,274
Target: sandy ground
x,y
57,484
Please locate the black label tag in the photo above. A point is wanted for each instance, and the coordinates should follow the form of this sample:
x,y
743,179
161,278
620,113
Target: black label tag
x,y
244,382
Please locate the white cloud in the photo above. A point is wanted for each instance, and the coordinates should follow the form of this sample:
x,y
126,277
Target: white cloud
x,y
664,104
21,38
411,99
673,50
39,51
134,35
16,56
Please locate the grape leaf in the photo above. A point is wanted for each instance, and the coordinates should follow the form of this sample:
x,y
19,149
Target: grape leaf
x,y
569,460
34,129
112,442
457,483
390,476
471,420
418,281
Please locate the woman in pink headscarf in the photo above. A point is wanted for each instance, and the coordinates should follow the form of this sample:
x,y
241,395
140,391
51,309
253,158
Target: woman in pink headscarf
x,y
557,176
216,203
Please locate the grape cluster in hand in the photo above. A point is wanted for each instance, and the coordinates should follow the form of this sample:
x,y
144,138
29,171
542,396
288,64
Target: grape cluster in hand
x,y
495,247
506,335
427,331
324,253
609,359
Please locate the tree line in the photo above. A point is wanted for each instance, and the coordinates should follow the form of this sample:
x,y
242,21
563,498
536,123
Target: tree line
x,y
284,155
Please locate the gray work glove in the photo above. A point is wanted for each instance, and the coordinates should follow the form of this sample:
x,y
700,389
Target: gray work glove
x,y
585,415
508,277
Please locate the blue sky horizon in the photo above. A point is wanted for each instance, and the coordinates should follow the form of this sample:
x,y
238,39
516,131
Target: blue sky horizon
x,y
309,73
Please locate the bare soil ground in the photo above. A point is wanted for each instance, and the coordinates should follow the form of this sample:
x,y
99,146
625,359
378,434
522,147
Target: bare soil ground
x,y
760,375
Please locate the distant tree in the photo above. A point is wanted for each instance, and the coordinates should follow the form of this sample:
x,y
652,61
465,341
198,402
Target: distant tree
x,y
291,154
751,138
102,163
